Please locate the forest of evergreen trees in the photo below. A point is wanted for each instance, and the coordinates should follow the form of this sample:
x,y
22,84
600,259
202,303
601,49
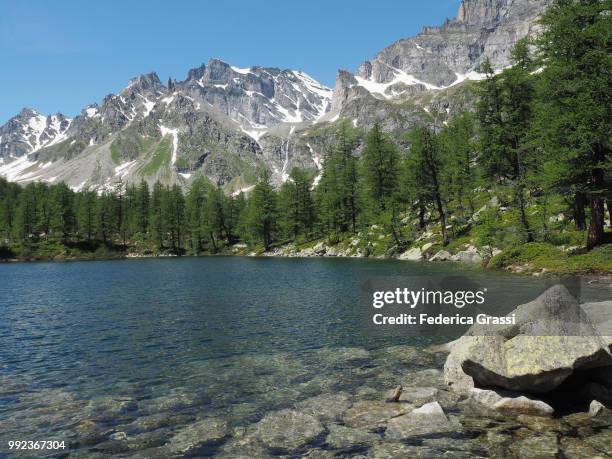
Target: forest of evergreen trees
x,y
540,133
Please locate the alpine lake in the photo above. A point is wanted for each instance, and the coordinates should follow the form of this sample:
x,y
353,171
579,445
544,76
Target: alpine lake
x,y
228,357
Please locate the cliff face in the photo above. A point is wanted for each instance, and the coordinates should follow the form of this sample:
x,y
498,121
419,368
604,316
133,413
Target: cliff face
x,y
439,57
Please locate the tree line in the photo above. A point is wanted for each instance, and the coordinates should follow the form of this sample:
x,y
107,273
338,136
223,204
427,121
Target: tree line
x,y
541,128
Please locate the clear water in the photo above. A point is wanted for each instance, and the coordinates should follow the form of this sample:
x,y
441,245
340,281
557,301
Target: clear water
x,y
116,341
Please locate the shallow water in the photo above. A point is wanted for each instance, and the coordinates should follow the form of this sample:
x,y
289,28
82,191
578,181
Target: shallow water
x,y
92,348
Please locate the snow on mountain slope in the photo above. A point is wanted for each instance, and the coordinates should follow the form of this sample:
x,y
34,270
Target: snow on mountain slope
x,y
205,117
29,132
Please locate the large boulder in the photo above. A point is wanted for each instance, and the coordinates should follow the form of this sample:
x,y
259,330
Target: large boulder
x,y
552,338
441,255
601,317
413,254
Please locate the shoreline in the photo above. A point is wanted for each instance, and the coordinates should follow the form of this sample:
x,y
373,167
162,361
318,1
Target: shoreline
x,y
598,277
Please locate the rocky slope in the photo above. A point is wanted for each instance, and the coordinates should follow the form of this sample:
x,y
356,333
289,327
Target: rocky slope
x,y
437,61
223,122
228,123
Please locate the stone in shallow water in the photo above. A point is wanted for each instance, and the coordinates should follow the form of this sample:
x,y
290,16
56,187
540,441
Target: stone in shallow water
x,y
341,437
155,421
418,395
367,393
155,438
389,450
543,446
497,443
510,403
287,429
372,413
325,407
454,444
424,378
544,424
601,441
244,447
168,403
429,419
210,430
406,355
343,355
575,448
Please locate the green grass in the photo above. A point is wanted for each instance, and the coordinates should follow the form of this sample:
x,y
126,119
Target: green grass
x,y
161,157
181,163
115,154
539,255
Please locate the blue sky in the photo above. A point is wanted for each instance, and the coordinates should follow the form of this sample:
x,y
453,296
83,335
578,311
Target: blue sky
x,y
62,55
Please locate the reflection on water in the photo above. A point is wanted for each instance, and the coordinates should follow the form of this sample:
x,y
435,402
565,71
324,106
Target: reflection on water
x,y
90,351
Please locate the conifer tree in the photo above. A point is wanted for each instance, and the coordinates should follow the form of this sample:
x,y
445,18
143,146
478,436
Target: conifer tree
x,y
379,169
575,104
262,210
426,161
156,219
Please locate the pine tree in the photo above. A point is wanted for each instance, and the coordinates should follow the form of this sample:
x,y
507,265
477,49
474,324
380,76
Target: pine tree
x,y
62,211
459,160
575,104
262,210
505,112
426,166
195,213
86,214
174,216
141,210
379,169
156,220
26,213
337,192
296,205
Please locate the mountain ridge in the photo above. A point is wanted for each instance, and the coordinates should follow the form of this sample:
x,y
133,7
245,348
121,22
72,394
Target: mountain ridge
x,y
228,123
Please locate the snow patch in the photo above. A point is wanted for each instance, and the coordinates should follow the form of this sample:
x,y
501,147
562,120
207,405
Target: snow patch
x,y
13,170
241,71
124,169
174,133
243,190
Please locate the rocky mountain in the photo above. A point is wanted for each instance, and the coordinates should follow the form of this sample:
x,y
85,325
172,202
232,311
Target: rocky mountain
x,y
438,59
224,122
228,123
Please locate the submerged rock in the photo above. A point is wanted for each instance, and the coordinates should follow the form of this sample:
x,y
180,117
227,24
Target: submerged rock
x,y
418,395
343,438
209,430
372,413
326,407
542,446
429,419
287,429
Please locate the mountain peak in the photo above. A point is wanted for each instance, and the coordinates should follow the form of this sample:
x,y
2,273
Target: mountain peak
x,y
145,82
27,112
